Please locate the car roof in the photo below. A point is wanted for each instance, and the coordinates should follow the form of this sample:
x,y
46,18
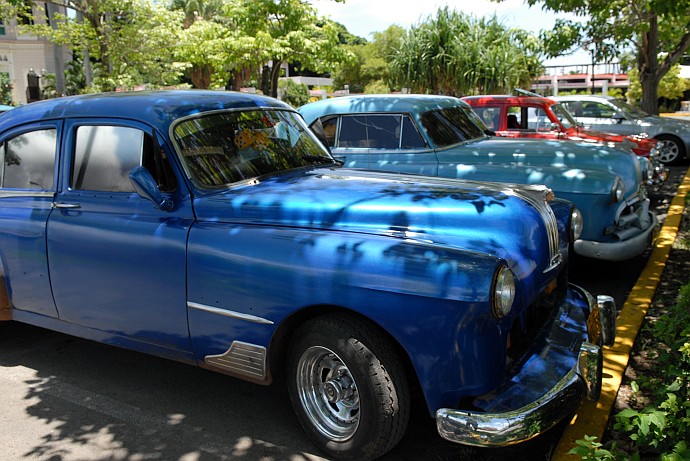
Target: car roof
x,y
584,97
508,99
407,103
157,108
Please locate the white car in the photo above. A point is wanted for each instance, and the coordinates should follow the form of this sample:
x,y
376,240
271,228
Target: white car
x,y
605,113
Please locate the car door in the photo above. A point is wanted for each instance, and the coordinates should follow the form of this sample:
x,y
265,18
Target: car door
x,y
117,263
27,186
389,142
602,116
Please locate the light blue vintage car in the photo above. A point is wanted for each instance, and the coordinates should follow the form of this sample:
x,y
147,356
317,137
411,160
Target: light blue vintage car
x,y
214,229
442,136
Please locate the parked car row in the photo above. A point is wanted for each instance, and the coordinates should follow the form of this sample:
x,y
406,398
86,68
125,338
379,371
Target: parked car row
x,y
214,228
532,116
441,136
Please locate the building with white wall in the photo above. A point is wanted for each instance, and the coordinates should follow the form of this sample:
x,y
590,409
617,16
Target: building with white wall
x,y
22,54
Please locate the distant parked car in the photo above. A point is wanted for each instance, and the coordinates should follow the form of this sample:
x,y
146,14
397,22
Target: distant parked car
x,y
609,114
213,228
5,108
442,136
534,116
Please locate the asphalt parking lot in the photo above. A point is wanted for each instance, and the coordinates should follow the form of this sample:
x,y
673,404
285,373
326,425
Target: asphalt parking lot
x,y
67,399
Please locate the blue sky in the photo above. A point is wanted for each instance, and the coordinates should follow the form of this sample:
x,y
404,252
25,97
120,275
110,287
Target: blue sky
x,y
363,17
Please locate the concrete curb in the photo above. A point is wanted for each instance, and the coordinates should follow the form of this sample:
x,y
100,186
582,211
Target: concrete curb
x,y
592,417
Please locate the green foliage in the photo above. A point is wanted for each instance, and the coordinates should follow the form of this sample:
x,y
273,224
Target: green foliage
x,y
295,94
456,54
591,450
281,31
612,27
377,87
663,426
129,42
671,86
5,89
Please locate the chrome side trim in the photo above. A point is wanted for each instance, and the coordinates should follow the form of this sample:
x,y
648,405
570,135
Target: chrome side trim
x,y
227,313
242,359
26,193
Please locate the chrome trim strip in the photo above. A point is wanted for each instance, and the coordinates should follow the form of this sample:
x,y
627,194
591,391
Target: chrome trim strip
x,y
26,193
243,359
537,197
227,313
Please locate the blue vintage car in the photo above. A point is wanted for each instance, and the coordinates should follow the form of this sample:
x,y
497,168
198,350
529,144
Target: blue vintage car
x,y
214,229
442,136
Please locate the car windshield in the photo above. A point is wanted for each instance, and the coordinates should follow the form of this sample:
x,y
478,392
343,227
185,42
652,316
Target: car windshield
x,y
563,116
452,125
629,109
226,147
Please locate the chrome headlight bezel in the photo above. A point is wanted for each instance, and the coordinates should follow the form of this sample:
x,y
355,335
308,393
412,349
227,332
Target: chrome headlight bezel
x,y
618,190
502,292
577,224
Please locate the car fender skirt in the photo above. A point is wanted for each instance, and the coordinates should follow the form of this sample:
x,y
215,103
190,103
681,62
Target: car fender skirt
x,y
510,427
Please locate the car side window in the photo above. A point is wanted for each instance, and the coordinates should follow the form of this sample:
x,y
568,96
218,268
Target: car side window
x,y
411,139
490,116
379,131
597,110
104,156
330,128
353,131
29,160
538,119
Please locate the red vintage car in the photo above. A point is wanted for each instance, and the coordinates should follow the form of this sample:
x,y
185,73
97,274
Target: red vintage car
x,y
532,116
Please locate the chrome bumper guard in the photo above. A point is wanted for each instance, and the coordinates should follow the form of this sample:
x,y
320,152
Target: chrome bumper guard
x,y
510,427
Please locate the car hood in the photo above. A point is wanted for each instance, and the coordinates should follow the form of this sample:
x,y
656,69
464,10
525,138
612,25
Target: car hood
x,y
569,156
666,122
491,219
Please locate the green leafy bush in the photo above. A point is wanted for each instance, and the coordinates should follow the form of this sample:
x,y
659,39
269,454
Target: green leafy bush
x,y
661,428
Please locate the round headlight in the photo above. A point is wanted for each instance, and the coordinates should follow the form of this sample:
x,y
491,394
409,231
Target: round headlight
x,y
577,223
618,191
503,292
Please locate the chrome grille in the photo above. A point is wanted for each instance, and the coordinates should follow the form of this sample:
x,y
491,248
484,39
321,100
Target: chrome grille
x,y
538,197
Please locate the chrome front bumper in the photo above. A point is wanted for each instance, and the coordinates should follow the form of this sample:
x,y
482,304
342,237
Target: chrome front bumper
x,y
535,417
622,249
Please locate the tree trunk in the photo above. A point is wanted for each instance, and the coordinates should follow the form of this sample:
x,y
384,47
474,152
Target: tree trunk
x,y
275,74
648,66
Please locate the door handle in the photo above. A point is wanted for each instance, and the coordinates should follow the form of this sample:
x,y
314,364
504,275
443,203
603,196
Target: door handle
x,y
65,205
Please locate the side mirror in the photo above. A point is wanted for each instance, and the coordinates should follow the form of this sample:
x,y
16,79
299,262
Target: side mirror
x,y
554,127
147,188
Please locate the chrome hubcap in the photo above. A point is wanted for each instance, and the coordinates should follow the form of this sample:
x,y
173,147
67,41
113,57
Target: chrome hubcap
x,y
668,151
328,393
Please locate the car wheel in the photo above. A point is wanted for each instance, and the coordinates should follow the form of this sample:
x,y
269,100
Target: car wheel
x,y
348,387
672,150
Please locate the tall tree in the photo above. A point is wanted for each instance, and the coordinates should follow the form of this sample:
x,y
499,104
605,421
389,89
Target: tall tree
x,y
657,30
131,41
270,33
455,54
370,63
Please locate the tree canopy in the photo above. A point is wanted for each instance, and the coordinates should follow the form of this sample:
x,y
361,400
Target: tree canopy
x,y
657,30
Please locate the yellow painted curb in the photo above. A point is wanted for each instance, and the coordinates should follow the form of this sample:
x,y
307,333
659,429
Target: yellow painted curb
x,y
592,417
